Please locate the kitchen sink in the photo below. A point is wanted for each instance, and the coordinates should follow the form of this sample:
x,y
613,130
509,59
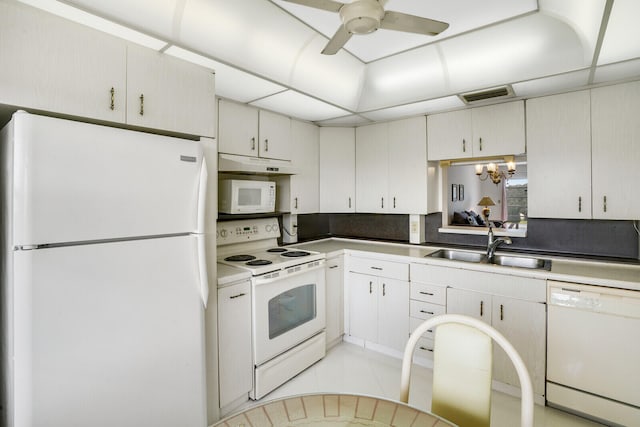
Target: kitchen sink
x,y
522,262
501,260
458,255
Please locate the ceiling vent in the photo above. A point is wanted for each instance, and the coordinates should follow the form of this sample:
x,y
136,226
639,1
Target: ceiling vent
x,y
483,95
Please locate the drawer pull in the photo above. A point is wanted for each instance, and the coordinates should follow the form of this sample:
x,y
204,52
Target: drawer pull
x,y
333,266
426,312
376,268
425,348
426,293
237,296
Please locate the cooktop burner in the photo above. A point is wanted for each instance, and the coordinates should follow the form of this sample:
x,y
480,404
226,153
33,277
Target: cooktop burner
x,y
240,258
276,250
295,254
259,262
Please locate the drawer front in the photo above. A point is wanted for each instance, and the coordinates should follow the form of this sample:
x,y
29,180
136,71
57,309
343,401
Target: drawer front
x,y
429,293
414,322
424,349
381,268
425,310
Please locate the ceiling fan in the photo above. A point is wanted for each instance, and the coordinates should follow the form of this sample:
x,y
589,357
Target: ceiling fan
x,y
366,16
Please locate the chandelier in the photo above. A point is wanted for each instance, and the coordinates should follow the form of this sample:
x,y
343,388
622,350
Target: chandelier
x,y
493,171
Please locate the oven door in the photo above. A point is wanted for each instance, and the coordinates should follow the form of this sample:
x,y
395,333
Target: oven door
x,y
287,310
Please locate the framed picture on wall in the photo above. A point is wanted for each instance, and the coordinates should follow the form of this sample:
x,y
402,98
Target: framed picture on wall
x,y
461,192
454,192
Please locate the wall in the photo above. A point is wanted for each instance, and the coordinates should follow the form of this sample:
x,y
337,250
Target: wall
x,y
583,238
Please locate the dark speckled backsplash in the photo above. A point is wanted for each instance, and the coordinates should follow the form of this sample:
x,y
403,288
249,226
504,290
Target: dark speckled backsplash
x,y
597,238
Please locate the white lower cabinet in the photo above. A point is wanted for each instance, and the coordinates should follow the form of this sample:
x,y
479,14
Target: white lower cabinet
x,y
523,324
379,305
234,344
334,278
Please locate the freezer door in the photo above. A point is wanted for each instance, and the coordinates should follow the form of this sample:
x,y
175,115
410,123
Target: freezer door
x,y
81,182
109,335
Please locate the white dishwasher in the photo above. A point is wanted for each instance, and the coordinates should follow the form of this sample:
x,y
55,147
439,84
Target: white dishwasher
x,y
593,351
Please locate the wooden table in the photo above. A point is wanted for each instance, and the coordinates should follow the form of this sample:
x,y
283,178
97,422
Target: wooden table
x,y
334,410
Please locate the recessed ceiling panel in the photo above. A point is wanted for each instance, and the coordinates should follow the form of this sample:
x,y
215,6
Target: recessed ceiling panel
x,y
346,121
304,107
417,108
618,71
230,82
552,84
462,16
622,39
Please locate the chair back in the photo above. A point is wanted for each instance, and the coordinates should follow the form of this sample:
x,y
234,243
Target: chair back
x,y
450,393
462,375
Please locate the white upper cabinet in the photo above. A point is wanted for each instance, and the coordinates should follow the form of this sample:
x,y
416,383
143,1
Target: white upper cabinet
x,y
51,64
304,197
494,130
274,132
449,135
167,93
372,168
498,129
391,168
409,188
615,148
247,131
237,128
559,156
337,170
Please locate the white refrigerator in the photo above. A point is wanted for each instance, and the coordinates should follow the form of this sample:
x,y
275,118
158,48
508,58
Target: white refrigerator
x,y
104,280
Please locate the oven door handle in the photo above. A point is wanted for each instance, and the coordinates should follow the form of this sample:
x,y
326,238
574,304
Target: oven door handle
x,y
261,280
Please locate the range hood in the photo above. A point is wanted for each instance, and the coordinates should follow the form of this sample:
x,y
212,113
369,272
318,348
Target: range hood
x,y
254,165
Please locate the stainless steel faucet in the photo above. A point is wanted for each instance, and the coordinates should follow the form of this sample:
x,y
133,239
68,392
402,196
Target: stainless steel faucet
x,y
492,243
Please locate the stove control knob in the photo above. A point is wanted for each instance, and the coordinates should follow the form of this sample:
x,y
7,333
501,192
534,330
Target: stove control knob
x,y
223,233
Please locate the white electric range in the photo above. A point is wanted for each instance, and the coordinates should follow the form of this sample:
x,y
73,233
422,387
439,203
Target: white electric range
x,y
287,299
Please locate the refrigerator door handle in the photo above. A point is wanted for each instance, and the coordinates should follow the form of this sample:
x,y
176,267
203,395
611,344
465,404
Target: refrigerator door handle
x,y
202,197
202,268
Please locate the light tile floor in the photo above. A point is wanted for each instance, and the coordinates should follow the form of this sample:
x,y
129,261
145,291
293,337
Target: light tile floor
x,y
348,368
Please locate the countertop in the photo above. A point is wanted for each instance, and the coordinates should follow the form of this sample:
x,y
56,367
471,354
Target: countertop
x,y
602,273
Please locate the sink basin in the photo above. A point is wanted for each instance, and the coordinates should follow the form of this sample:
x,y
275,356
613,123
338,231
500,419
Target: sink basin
x,y
502,260
522,262
458,255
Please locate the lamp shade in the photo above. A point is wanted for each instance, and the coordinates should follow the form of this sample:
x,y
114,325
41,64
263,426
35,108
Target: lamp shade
x,y
486,201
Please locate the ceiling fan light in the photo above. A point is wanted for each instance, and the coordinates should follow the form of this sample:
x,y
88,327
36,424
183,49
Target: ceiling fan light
x,y
362,16
362,25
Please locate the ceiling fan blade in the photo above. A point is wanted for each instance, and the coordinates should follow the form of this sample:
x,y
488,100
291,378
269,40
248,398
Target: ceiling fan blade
x,y
330,5
412,24
337,41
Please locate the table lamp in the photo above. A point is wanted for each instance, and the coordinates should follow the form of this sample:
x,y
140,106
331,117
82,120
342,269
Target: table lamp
x,y
486,202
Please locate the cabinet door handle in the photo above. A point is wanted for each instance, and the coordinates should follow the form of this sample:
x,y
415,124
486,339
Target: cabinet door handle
x,y
480,144
370,287
253,143
349,202
426,312
382,202
113,101
394,203
580,204
237,296
333,266
142,104
501,312
376,268
604,201
266,145
464,145
481,308
425,348
384,289
426,293
296,203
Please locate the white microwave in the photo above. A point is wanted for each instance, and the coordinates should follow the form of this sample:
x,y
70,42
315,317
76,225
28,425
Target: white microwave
x,y
238,196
